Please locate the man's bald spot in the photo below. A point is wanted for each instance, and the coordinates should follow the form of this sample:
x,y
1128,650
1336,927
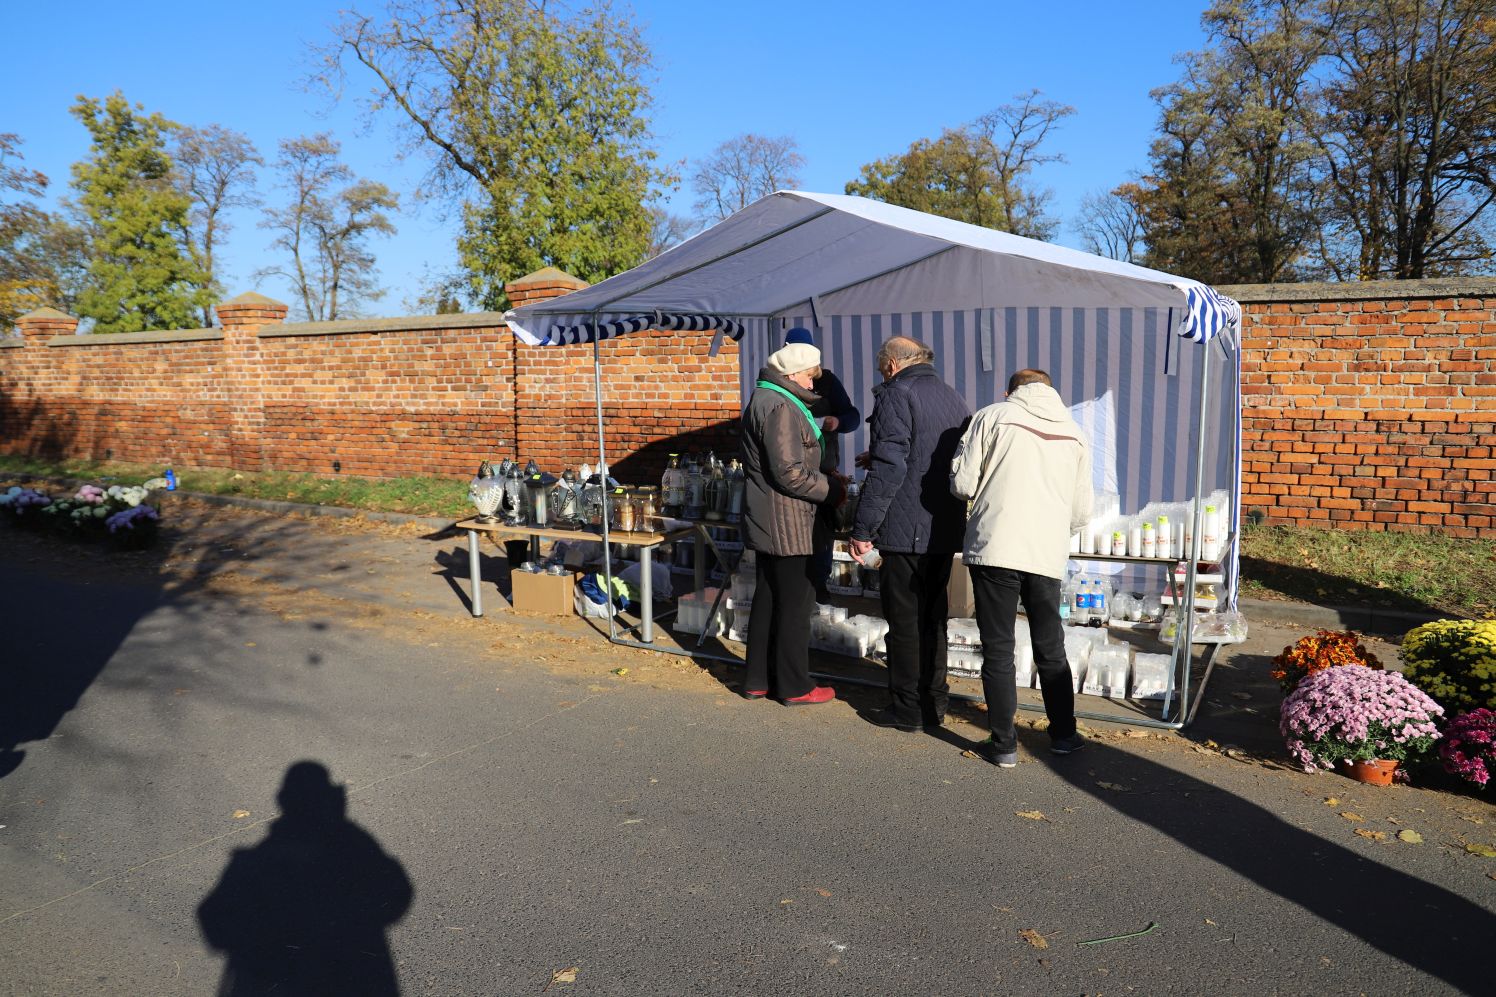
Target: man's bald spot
x,y
899,349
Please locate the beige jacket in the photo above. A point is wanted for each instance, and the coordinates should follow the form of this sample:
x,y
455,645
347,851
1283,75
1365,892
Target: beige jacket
x,y
1025,466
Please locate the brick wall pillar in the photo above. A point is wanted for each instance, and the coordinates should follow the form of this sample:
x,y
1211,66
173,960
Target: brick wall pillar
x,y
534,426
41,325
242,319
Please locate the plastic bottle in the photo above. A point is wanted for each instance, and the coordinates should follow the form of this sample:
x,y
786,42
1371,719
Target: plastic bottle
x,y
1100,610
1082,612
171,480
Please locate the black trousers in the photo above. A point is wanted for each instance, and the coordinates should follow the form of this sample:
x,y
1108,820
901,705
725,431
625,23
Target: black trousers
x,y
779,627
915,604
997,592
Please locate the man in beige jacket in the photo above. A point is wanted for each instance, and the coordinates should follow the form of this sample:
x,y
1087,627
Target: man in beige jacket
x,y
1025,467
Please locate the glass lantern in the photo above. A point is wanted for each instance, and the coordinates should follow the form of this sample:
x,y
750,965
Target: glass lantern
x,y
621,511
673,488
846,513
737,485
514,495
695,491
566,501
714,491
486,493
538,498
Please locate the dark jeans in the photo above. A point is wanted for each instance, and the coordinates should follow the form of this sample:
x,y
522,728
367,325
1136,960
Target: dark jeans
x,y
779,627
915,605
997,592
820,561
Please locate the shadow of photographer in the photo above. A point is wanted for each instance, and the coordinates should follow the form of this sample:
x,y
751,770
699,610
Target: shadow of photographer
x,y
305,911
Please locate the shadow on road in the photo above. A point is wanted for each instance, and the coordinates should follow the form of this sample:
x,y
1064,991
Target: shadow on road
x,y
1425,926
305,911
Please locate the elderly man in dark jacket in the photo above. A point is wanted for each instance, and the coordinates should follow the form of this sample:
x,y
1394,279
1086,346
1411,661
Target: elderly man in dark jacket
x,y
782,461
908,511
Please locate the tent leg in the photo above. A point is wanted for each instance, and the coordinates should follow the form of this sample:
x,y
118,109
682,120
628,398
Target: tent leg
x,y
602,470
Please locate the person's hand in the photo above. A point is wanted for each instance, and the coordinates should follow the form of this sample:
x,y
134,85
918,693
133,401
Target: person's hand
x,y
829,424
859,549
864,460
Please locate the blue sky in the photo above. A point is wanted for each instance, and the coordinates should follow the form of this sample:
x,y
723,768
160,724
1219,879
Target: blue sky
x,y
850,82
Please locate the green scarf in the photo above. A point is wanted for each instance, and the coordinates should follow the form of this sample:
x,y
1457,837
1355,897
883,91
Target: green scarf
x,y
799,405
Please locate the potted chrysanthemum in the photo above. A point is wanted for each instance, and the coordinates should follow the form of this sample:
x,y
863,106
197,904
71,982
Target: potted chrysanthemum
x,y
1364,720
1468,749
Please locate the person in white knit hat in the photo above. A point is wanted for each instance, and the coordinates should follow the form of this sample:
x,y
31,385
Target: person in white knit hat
x,y
781,445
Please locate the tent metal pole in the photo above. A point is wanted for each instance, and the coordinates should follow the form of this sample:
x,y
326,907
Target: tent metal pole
x,y
602,465
1185,631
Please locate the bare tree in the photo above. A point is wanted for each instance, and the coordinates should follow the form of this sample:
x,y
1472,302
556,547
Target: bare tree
x,y
1407,128
742,170
325,226
667,231
1111,223
1010,138
215,168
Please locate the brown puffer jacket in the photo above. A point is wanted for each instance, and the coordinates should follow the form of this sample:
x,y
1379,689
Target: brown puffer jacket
x,y
782,459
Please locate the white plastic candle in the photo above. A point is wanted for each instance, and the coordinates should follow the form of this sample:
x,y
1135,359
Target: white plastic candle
x,y
1119,544
1135,542
1150,545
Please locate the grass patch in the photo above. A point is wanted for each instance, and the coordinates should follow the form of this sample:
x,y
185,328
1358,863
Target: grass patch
x,y
1410,571
418,496
1416,572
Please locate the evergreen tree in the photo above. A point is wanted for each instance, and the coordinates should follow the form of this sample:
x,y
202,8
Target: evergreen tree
x,y
142,275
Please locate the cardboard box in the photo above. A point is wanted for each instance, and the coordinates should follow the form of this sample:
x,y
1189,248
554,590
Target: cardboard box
x,y
551,595
958,591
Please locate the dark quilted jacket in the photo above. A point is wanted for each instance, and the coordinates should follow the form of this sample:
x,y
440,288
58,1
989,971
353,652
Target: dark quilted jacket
x,y
916,426
781,458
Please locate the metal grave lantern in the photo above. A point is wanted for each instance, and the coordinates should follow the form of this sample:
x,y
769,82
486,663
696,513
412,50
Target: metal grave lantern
x,y
566,501
737,485
715,491
514,494
538,497
695,490
673,488
486,493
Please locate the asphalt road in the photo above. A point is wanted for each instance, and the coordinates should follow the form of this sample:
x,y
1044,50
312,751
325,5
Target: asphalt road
x,y
509,827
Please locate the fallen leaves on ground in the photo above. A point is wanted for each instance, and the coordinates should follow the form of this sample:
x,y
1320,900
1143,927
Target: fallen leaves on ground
x,y
567,975
1373,835
1332,801
1411,837
1115,787
240,814
1350,816
1033,937
1485,851
1031,814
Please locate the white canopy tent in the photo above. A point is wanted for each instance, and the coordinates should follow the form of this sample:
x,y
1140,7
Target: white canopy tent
x,y
1127,346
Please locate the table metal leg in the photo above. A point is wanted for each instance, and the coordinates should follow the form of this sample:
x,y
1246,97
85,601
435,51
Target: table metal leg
x,y
699,566
646,593
475,574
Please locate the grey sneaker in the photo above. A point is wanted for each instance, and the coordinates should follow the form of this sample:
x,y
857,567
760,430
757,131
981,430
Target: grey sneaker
x,y
1067,745
1002,759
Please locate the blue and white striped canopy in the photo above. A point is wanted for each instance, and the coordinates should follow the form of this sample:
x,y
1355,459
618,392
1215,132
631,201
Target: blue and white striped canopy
x,y
794,252
586,332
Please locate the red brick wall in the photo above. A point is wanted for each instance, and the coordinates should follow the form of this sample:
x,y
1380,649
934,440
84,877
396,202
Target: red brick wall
x,y
1374,412
1367,406
379,399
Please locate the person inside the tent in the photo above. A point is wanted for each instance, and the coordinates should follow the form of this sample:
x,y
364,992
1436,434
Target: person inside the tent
x,y
838,415
1026,469
909,513
781,445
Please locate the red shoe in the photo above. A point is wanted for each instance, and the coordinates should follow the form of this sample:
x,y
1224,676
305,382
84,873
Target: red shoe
x,y
819,694
755,693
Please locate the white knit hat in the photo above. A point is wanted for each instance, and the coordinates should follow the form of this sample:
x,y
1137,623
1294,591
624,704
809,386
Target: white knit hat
x,y
794,358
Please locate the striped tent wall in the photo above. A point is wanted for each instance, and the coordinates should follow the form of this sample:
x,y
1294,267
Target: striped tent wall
x,y
1114,355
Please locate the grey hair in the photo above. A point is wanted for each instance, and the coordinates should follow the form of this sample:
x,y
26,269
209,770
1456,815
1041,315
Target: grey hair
x,y
902,349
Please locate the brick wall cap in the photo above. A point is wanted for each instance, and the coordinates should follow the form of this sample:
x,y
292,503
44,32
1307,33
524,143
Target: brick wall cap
x,y
547,275
411,323
253,299
11,342
47,314
1365,290
135,338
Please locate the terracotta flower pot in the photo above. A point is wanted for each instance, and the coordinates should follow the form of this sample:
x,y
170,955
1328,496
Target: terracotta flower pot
x,y
1373,773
